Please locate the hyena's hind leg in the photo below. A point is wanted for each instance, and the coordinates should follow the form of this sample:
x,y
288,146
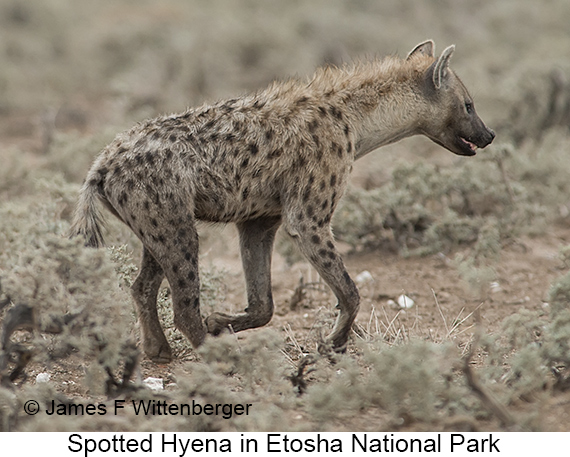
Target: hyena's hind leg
x,y
145,292
256,244
176,250
171,248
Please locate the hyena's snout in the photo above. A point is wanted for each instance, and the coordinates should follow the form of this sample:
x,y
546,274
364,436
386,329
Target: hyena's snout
x,y
486,137
478,136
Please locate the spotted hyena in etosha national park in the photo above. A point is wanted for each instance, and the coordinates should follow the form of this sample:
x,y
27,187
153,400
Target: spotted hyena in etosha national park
x,y
281,156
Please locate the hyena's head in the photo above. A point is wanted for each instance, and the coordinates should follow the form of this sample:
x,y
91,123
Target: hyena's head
x,y
450,118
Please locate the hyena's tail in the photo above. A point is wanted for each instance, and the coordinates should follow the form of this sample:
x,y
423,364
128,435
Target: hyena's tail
x,y
87,219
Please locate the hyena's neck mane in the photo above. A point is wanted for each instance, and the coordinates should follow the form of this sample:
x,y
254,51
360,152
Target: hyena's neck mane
x,y
360,85
379,96
368,81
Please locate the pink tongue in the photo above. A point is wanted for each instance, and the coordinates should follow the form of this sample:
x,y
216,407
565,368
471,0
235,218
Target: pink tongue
x,y
471,145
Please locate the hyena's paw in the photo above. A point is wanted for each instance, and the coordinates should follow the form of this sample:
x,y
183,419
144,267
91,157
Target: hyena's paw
x,y
160,353
216,323
336,343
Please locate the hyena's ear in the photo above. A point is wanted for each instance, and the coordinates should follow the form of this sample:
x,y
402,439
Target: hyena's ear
x,y
441,69
426,48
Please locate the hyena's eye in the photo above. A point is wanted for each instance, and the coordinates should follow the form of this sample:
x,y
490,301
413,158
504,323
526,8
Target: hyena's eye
x,y
469,107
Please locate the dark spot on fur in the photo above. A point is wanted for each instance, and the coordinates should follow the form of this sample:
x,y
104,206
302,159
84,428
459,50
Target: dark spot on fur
x,y
313,125
245,193
327,264
238,127
258,104
245,162
269,134
302,100
253,149
123,199
300,162
117,171
197,302
161,239
317,142
316,239
323,252
330,244
226,108
275,153
333,183
336,112
181,283
187,255
191,275
338,149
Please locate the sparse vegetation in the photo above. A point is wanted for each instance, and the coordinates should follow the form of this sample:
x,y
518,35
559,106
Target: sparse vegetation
x,y
73,75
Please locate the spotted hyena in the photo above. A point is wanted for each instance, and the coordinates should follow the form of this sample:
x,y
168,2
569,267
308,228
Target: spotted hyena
x,y
281,156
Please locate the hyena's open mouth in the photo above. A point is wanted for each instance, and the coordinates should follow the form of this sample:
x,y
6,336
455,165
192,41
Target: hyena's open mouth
x,y
466,145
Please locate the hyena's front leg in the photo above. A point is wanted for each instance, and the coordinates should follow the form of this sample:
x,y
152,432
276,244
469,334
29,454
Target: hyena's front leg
x,y
318,247
256,243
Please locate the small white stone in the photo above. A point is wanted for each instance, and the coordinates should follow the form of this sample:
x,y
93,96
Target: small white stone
x,y
391,303
363,277
405,302
495,287
43,377
154,383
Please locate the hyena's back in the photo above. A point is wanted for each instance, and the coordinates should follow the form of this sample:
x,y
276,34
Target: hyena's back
x,y
230,162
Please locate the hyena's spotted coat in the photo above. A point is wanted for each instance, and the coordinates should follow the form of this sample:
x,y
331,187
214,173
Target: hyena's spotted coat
x,y
280,156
